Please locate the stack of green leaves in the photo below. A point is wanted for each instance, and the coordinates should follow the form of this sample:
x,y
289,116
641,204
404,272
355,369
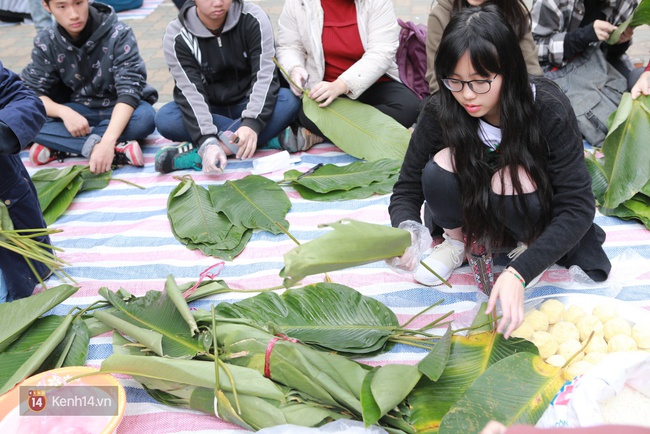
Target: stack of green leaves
x,y
220,220
30,344
57,188
354,181
621,178
265,378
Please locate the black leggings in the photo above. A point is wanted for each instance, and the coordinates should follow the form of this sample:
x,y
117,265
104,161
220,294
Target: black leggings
x,y
442,194
389,97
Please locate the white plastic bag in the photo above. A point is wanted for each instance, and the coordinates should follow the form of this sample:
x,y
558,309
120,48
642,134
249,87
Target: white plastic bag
x,y
577,403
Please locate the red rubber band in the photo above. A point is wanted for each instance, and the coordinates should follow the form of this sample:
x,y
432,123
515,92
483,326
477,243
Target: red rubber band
x,y
203,275
269,350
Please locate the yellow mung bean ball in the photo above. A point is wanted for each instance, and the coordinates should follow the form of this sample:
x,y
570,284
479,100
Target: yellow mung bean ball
x,y
564,331
573,313
538,320
578,368
569,348
604,312
545,344
641,334
616,326
597,344
588,324
525,331
553,310
556,360
595,357
621,343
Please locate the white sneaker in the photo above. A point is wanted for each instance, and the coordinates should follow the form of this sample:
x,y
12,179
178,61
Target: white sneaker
x,y
445,258
514,254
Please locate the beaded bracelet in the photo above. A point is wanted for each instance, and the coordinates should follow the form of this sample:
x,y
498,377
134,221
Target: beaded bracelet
x,y
519,278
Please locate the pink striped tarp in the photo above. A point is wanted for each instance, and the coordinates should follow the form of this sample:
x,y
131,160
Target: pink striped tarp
x,y
119,237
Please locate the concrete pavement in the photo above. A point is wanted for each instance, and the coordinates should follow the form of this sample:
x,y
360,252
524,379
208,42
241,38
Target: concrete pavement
x,y
16,41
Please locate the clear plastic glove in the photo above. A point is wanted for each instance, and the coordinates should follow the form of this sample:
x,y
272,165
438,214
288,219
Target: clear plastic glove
x,y
212,156
420,242
300,77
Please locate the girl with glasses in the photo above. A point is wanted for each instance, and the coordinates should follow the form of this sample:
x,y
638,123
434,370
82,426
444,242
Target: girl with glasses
x,y
515,12
498,159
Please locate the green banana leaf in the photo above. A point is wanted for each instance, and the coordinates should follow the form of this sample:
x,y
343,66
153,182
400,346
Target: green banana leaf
x,y
469,358
433,364
331,177
599,181
95,181
359,129
326,315
237,236
641,15
253,202
154,321
625,210
16,354
193,373
169,381
194,219
17,316
380,187
73,350
324,378
639,207
626,150
515,390
50,183
351,243
42,342
384,388
61,203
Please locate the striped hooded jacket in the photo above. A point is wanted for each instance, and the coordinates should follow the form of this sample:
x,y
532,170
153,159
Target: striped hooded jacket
x,y
553,19
221,70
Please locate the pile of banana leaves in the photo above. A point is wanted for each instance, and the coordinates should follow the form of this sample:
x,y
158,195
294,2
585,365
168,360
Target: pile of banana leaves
x,y
31,343
621,178
57,188
276,359
220,220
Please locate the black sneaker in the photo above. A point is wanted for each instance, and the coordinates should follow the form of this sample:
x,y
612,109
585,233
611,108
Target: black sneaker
x,y
178,157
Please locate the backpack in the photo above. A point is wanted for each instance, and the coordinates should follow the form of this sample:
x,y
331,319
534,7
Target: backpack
x,y
594,88
411,57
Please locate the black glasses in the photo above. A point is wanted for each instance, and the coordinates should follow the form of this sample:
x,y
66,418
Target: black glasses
x,y
476,86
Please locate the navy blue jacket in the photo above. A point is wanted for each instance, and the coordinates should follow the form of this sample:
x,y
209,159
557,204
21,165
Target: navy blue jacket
x,y
22,115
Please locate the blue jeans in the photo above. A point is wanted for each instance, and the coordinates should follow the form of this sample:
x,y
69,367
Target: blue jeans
x,y
54,134
169,119
40,16
18,193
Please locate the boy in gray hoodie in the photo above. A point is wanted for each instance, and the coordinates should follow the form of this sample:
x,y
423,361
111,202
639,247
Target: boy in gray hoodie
x,y
87,70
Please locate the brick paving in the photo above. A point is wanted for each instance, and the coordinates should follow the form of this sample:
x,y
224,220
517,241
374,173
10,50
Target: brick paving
x,y
16,41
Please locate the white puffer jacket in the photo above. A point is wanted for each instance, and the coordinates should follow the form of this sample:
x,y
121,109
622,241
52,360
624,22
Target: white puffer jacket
x,y
299,42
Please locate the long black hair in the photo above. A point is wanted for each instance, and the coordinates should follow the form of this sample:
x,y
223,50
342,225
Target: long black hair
x,y
484,33
515,12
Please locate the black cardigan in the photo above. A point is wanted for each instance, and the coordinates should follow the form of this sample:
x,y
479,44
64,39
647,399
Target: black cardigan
x,y
573,203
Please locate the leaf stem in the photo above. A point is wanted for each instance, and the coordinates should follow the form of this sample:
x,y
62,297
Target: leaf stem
x,y
435,274
423,311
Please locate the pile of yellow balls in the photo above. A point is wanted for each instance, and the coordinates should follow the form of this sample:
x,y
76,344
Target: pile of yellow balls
x,y
560,333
